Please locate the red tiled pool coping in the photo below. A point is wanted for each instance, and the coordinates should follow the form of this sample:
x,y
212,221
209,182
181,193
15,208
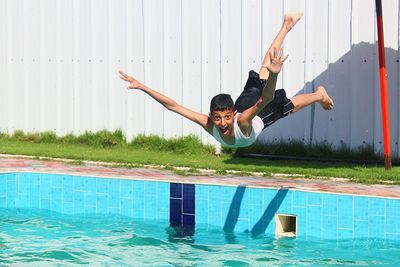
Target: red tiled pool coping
x,y
27,164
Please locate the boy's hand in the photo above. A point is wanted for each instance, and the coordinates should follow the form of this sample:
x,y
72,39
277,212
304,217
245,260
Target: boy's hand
x,y
133,83
276,61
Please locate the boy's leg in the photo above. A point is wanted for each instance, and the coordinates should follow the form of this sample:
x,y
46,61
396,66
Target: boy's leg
x,y
281,106
251,93
320,96
289,21
256,81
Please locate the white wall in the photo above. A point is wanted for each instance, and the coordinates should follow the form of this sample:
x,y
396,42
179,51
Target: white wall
x,y
59,62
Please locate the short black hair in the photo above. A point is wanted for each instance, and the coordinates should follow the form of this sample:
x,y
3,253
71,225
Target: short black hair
x,y
222,102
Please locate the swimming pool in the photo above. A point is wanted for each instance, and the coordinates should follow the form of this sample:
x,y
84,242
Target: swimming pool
x,y
75,217
38,238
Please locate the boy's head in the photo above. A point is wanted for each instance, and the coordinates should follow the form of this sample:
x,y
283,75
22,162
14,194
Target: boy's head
x,y
221,102
222,113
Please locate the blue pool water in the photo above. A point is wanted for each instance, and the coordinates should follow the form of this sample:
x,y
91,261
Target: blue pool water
x,y
35,237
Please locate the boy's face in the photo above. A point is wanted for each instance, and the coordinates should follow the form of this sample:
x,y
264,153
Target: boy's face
x,y
223,120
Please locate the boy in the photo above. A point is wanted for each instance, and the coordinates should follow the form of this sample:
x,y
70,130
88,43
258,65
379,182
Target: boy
x,y
259,105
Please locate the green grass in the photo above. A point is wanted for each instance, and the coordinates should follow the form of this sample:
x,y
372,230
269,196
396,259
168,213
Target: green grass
x,y
186,151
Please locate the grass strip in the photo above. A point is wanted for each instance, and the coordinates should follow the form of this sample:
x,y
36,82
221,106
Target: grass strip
x,y
186,152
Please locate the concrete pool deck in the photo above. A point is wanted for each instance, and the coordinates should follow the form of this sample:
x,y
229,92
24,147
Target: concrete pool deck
x,y
29,164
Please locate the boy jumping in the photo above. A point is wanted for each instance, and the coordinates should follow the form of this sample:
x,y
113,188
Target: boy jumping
x,y
259,105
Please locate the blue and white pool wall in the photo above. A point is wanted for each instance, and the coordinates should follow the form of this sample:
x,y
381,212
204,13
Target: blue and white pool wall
x,y
232,208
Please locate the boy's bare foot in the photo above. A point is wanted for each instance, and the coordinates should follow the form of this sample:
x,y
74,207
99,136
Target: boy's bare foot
x,y
291,19
326,102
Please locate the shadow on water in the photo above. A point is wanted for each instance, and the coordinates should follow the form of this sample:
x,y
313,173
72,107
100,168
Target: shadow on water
x,y
262,224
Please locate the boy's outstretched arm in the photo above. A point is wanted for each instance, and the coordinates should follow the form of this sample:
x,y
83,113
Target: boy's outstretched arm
x,y
170,104
274,67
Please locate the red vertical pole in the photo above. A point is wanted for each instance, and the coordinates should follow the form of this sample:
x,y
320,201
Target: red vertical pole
x,y
384,95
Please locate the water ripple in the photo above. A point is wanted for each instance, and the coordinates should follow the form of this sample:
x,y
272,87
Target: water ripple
x,y
39,238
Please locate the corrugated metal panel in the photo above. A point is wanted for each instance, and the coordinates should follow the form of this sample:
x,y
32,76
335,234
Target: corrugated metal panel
x,y
211,56
47,65
3,76
135,65
396,87
391,30
154,60
339,67
191,60
231,46
81,99
64,95
363,65
59,63
173,74
318,50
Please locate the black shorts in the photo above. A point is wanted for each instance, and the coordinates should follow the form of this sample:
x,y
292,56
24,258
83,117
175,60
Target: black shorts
x,y
278,108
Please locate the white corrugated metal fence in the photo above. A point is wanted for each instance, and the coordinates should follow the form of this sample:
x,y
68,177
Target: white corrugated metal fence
x,y
59,62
